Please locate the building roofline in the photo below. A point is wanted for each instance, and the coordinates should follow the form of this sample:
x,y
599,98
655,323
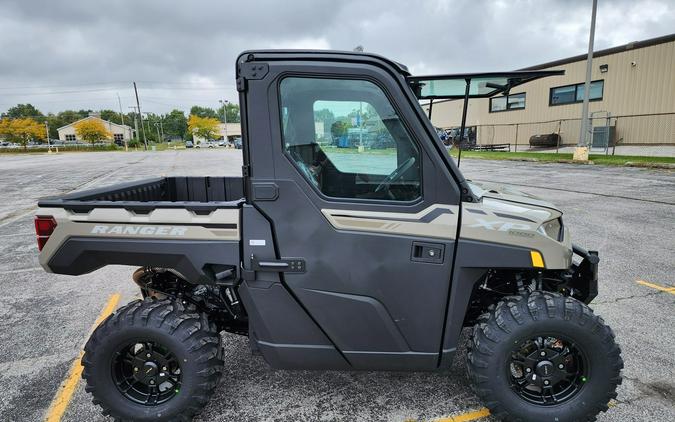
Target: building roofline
x,y
613,50
89,117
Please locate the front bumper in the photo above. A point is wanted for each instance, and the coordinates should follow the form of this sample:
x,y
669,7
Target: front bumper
x,y
585,274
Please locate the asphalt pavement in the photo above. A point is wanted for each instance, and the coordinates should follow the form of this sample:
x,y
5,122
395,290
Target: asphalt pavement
x,y
628,214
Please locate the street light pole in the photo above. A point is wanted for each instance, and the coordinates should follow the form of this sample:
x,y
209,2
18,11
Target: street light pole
x,y
581,152
224,103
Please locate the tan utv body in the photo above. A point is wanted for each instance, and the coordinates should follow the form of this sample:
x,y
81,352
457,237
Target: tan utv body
x,y
351,241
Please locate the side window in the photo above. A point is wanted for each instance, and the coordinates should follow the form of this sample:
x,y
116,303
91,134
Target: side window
x,y
346,139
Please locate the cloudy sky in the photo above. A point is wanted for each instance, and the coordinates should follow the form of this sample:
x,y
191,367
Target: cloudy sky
x,y
81,54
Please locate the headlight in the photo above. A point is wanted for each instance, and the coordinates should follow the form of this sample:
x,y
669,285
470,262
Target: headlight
x,y
552,229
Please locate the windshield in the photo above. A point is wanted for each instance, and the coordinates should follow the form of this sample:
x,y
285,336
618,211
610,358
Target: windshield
x,y
481,85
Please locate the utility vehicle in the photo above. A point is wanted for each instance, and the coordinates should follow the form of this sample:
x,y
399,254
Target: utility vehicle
x,y
338,258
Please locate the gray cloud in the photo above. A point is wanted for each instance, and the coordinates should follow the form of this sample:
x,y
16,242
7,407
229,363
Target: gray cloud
x,y
80,54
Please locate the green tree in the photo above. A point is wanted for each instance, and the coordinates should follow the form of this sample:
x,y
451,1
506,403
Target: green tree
x,y
113,116
338,129
233,115
200,111
24,111
175,123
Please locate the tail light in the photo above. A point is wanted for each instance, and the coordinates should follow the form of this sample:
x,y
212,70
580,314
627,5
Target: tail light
x,y
44,227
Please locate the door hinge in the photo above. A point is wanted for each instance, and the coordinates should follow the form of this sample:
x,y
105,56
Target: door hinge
x,y
241,84
253,70
246,171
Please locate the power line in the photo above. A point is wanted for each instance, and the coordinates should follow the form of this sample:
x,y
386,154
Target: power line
x,y
123,83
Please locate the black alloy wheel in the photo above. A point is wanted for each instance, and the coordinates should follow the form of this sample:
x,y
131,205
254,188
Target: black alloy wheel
x,y
153,360
543,357
147,373
547,370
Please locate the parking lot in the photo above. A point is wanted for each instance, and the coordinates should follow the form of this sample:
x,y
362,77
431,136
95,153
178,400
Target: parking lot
x,y
628,214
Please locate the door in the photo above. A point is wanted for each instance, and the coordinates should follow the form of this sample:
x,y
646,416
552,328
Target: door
x,y
349,179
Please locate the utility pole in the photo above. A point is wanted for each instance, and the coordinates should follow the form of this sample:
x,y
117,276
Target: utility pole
x,y
581,152
224,103
135,121
157,127
49,145
138,104
126,141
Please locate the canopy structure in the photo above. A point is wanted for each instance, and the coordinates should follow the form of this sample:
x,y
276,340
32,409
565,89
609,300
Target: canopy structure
x,y
472,85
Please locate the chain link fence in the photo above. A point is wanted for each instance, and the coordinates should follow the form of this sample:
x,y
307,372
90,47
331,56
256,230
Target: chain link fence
x,y
639,129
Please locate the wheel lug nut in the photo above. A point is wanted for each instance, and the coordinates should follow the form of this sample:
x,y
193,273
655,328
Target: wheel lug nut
x,y
163,368
148,355
546,382
541,354
135,369
561,366
528,370
152,382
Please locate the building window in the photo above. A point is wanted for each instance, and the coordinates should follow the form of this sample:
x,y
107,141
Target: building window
x,y
119,137
70,138
570,94
507,102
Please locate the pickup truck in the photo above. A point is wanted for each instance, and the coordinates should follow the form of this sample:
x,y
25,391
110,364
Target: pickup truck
x,y
338,258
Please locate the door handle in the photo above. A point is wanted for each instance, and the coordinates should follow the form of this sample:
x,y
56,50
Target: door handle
x,y
428,252
284,265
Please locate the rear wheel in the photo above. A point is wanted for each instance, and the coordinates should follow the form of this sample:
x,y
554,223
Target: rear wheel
x,y
544,357
153,360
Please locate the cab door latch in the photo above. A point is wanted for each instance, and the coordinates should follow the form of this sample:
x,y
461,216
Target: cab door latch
x,y
284,265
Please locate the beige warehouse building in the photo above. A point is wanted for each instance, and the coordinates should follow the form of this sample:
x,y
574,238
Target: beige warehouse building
x,y
231,130
633,83
120,133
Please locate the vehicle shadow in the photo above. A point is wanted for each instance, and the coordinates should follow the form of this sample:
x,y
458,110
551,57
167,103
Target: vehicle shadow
x,y
251,391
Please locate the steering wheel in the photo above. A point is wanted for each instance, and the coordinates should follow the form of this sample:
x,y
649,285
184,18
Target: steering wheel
x,y
395,175
307,172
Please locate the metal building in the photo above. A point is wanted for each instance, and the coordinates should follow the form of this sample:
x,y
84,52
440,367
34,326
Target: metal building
x,y
634,84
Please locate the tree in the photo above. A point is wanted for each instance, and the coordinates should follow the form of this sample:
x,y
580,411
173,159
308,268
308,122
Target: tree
x,y
113,116
338,129
232,113
21,130
24,111
203,112
92,130
203,127
175,123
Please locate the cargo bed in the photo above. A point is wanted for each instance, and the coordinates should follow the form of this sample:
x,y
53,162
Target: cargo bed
x,y
187,224
192,193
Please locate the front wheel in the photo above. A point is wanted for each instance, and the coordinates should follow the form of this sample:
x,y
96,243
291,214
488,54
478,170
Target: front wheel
x,y
153,360
544,357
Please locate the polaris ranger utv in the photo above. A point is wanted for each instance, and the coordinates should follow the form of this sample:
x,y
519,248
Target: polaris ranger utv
x,y
338,257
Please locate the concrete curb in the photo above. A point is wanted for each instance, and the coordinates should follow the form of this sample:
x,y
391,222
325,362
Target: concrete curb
x,y
668,166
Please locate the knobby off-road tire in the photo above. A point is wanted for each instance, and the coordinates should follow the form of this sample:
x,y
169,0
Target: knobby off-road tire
x,y
512,324
177,340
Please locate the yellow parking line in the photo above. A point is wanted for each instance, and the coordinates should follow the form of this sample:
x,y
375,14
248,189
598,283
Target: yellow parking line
x,y
670,290
67,388
466,417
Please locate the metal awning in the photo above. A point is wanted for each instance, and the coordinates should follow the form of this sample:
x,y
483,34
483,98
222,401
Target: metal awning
x,y
480,85
471,85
